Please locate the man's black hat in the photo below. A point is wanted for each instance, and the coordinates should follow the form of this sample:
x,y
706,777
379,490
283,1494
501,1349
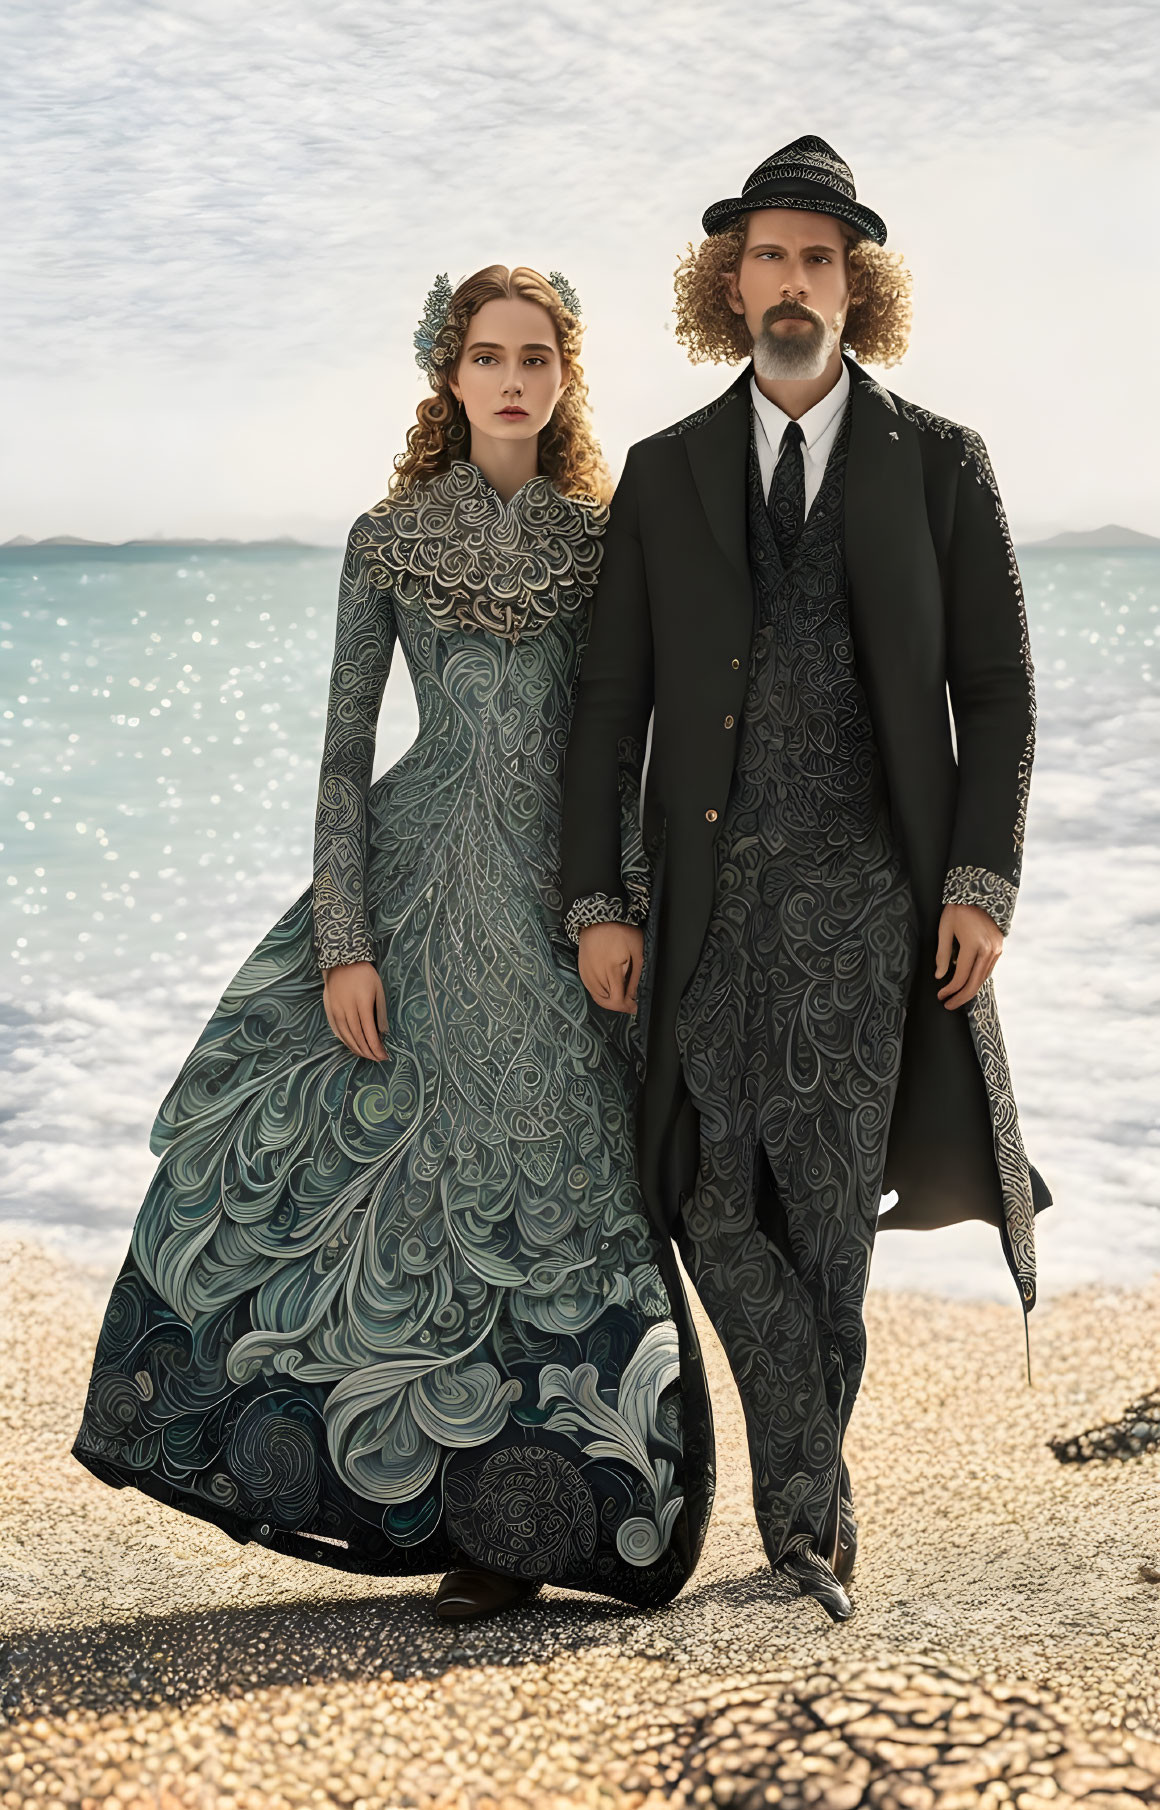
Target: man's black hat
x,y
807,174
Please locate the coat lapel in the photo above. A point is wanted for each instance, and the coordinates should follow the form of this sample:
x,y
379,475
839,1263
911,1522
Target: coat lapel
x,y
718,452
883,496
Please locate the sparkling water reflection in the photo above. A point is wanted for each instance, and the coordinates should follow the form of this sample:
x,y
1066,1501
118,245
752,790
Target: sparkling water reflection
x,y
160,725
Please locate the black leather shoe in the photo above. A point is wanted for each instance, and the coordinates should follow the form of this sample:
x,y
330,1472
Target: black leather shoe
x,y
839,1540
472,1594
814,1577
846,1539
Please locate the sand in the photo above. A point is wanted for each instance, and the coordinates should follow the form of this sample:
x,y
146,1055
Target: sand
x,y
1006,1647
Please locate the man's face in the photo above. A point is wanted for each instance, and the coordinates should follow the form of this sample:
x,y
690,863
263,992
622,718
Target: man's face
x,y
792,288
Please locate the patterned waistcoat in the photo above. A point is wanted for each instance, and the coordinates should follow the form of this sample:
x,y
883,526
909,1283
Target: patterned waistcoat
x,y
806,741
807,870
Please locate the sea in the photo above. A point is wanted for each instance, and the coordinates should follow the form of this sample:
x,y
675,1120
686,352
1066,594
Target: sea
x,y
161,720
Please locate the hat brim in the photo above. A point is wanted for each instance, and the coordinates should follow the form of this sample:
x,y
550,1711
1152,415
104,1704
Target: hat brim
x,y
806,197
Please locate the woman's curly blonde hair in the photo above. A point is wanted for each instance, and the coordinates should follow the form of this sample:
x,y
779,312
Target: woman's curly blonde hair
x,y
569,452
877,329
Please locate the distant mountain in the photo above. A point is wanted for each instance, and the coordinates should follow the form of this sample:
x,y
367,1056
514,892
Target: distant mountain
x,y
193,540
160,540
1109,536
22,543
55,540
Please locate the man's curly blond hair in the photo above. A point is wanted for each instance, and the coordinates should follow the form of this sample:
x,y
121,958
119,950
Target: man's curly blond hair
x,y
877,329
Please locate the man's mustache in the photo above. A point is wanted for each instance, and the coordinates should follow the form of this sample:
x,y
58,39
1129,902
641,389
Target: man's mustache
x,y
791,311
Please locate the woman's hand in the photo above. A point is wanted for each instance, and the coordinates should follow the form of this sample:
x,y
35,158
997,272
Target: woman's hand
x,y
356,1008
610,960
980,942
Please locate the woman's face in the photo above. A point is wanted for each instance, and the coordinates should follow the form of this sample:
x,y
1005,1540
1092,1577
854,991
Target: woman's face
x,y
510,374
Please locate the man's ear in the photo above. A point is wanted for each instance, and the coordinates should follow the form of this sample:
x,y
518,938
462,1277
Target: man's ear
x,y
733,292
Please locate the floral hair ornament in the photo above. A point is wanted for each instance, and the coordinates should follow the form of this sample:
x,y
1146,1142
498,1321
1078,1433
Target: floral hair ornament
x,y
431,324
565,291
430,355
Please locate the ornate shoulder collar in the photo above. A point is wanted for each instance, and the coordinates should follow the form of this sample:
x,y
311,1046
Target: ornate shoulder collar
x,y
701,416
475,562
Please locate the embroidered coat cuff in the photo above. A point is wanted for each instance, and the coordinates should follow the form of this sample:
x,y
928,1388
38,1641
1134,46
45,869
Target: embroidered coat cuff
x,y
608,908
979,886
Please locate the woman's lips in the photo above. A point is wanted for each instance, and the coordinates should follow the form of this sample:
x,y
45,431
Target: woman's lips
x,y
513,414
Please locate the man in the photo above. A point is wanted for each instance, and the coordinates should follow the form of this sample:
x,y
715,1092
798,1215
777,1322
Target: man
x,y
794,579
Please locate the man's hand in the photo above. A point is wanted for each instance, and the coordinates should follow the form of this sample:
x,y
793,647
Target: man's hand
x,y
610,959
980,944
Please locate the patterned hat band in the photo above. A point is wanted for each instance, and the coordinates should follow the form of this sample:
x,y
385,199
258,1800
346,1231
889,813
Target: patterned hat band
x,y
433,350
807,175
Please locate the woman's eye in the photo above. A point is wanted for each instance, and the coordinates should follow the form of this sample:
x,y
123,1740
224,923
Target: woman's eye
x,y
534,361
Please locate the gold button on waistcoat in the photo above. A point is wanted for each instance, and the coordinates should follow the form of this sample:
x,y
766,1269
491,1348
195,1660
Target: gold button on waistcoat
x,y
710,816
737,666
728,722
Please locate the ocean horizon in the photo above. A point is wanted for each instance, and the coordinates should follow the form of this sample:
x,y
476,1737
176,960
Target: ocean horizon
x,y
161,716
1112,537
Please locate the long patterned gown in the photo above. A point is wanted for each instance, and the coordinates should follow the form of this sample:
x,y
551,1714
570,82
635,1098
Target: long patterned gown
x,y
390,1316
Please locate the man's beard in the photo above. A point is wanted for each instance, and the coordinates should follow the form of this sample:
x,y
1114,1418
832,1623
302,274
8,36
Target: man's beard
x,y
798,355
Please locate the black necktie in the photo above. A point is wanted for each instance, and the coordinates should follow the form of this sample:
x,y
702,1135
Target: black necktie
x,y
787,492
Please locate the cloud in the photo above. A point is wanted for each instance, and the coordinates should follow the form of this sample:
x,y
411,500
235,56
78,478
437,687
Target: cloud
x,y
254,182
221,221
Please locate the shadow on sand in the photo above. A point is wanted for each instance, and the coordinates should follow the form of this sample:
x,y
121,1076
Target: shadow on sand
x,y
177,1659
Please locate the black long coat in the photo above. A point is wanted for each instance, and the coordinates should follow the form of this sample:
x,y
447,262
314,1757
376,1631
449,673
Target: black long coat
x,y
935,607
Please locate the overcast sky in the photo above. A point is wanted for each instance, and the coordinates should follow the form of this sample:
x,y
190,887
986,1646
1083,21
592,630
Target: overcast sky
x,y
221,221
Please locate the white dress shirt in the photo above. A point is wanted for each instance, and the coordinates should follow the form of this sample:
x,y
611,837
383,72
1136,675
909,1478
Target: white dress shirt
x,y
819,426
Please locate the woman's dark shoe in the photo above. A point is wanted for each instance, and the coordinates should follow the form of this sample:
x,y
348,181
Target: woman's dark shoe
x,y
472,1594
814,1577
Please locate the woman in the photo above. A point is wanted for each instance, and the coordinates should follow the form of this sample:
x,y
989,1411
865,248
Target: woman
x,y
392,1303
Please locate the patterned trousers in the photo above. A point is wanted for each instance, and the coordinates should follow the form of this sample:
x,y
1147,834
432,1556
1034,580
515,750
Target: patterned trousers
x,y
783,1283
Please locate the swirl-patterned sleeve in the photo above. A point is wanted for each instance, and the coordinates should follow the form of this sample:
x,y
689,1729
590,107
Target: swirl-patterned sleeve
x,y
363,644
605,872
992,692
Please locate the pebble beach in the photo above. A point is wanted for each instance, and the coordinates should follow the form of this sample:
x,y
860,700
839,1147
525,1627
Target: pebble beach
x,y
1006,1648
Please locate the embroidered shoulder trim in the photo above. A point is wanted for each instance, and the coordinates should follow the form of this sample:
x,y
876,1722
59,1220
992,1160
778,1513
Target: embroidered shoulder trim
x,y
879,392
700,416
979,886
604,908
474,562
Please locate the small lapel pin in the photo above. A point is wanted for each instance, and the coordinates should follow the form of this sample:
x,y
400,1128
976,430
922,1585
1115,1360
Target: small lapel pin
x,y
893,435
